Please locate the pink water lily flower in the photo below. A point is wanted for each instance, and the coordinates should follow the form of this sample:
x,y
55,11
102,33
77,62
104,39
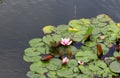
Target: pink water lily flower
x,y
80,62
65,60
66,41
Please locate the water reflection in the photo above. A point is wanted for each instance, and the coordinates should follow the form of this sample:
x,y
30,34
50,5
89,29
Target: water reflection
x,y
110,7
1,1
22,20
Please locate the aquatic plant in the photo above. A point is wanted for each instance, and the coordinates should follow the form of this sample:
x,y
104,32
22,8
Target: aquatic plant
x,y
81,49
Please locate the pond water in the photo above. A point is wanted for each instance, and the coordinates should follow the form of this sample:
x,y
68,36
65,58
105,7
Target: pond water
x,y
22,20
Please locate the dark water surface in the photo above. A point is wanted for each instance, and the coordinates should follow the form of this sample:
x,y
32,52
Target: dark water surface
x,y
22,20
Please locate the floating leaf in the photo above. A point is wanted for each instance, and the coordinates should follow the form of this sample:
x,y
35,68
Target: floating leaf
x,y
47,39
31,52
35,42
65,72
37,67
72,30
72,63
57,38
54,64
85,70
31,58
116,54
83,76
105,49
48,29
115,66
52,74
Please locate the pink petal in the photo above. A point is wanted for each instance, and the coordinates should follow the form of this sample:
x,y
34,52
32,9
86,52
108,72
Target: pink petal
x,y
65,60
69,43
62,43
80,62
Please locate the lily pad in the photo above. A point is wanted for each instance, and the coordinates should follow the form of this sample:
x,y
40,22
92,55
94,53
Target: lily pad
x,y
115,66
48,29
65,72
35,40
52,74
37,67
72,63
31,58
32,74
54,64
47,39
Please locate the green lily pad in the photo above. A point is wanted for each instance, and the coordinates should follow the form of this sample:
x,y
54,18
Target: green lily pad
x,y
32,74
31,52
57,38
65,72
31,58
83,76
85,70
72,63
48,29
52,74
37,67
47,39
116,54
35,41
54,64
115,66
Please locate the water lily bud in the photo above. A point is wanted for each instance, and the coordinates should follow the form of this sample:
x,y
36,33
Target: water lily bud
x,y
110,45
118,24
106,58
80,62
66,41
65,60
102,37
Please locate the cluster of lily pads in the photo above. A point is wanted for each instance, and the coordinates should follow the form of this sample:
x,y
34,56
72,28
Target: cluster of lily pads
x,y
80,49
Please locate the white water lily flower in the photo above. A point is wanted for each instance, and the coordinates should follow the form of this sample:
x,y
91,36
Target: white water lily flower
x,y
65,60
66,41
